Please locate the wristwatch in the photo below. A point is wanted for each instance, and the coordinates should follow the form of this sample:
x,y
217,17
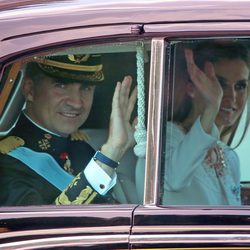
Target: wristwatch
x,y
106,160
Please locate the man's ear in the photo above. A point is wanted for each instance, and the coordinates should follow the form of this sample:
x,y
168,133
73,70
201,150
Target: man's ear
x,y
28,89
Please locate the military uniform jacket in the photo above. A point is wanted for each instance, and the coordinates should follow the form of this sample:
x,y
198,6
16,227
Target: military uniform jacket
x,y
21,185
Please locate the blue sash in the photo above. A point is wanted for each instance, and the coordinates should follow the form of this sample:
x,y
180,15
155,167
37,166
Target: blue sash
x,y
44,165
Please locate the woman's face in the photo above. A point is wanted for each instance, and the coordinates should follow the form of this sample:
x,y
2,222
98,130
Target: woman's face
x,y
233,76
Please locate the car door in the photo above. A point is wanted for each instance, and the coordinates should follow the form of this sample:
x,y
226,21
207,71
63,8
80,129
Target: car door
x,y
145,50
100,226
29,32
184,225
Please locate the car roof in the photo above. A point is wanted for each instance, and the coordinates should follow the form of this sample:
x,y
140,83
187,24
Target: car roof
x,y
24,17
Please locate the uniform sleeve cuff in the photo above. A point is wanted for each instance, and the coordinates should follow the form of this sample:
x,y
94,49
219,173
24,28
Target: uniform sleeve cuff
x,y
98,178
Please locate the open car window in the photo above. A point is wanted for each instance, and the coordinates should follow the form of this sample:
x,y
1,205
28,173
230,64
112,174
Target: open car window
x,y
206,143
119,59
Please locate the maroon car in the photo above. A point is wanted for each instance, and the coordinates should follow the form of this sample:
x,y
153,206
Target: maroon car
x,y
146,39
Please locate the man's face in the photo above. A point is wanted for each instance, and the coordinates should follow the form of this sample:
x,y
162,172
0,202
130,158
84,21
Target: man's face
x,y
60,108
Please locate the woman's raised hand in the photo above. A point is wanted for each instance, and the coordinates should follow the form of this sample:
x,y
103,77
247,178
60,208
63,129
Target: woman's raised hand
x,y
205,81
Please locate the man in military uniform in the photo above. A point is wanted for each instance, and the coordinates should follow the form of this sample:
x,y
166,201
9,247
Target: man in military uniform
x,y
45,159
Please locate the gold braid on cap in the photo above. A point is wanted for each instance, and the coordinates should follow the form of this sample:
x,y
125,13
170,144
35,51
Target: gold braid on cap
x,y
96,76
69,66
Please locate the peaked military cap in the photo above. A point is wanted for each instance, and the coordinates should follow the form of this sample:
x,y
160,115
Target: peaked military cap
x,y
72,67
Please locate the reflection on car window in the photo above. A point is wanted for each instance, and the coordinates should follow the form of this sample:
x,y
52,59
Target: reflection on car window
x,y
57,146
209,94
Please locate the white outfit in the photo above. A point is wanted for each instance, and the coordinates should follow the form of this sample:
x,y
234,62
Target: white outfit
x,y
199,168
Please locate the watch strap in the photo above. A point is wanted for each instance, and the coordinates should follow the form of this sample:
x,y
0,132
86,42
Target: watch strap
x,y
106,160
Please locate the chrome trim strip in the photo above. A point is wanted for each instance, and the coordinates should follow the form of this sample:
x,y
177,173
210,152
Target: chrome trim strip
x,y
66,241
184,229
156,83
116,230
191,238
200,27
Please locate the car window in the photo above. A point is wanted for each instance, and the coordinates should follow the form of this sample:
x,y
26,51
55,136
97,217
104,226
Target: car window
x,y
205,148
242,151
29,186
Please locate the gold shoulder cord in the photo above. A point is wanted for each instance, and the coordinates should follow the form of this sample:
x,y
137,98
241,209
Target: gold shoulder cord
x,y
10,143
79,136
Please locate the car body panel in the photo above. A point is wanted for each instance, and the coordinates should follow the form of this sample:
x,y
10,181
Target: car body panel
x,y
29,27
26,26
168,226
66,226
76,14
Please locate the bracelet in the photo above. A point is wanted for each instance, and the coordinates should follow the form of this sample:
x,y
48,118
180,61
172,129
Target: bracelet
x,y
106,160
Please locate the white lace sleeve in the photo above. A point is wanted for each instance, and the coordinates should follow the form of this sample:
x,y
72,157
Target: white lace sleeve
x,y
185,153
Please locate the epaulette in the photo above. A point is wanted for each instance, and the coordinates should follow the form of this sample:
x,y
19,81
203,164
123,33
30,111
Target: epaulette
x,y
9,143
79,136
